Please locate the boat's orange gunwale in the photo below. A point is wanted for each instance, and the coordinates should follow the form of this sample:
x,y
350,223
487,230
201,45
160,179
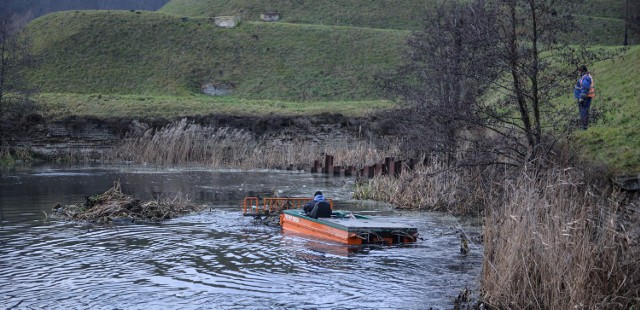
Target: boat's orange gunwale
x,y
314,228
295,221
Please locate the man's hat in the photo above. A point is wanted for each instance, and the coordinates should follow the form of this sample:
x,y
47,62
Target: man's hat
x,y
583,68
317,193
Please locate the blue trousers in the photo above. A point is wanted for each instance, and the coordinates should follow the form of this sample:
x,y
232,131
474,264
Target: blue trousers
x,y
583,108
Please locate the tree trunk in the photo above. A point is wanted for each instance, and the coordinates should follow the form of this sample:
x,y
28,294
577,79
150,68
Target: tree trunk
x,y
518,86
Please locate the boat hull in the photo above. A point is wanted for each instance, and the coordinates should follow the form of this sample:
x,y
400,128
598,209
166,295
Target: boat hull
x,y
350,230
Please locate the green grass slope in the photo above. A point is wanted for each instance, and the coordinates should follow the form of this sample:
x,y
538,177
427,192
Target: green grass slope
x,y
604,31
388,14
609,8
616,140
148,53
601,21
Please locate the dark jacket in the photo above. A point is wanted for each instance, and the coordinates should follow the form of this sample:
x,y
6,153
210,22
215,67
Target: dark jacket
x,y
309,205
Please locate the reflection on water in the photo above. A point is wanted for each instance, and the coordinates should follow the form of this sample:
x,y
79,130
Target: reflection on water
x,y
215,258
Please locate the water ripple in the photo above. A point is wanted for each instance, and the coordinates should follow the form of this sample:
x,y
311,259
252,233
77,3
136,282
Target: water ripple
x,y
219,259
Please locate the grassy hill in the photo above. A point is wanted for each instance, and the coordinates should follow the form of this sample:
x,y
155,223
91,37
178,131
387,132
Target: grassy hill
x,y
604,31
117,63
122,52
148,53
603,20
616,138
390,14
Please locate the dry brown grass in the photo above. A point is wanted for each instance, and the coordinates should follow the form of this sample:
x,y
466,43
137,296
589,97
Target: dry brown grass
x,y
435,186
187,143
557,241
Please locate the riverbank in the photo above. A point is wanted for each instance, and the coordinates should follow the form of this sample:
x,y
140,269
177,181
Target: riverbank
x,y
215,139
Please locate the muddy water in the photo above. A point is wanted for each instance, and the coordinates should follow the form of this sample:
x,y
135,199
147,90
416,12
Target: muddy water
x,y
215,259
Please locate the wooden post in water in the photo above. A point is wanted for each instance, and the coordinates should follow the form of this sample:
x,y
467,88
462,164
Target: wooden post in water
x,y
317,166
350,171
378,170
398,168
328,164
390,166
372,171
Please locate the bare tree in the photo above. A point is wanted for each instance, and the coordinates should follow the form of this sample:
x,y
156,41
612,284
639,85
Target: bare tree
x,y
438,82
492,67
537,63
632,21
15,57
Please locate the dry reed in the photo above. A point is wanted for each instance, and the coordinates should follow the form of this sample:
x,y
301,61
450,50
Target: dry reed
x,y
185,143
435,186
113,205
559,239
556,241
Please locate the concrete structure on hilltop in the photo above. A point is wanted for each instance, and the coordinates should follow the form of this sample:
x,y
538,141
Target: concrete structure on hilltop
x,y
227,21
272,16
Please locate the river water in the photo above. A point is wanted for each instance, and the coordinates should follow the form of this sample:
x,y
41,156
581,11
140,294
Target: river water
x,y
214,259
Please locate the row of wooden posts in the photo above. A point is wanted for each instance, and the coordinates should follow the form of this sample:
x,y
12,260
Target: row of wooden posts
x,y
389,167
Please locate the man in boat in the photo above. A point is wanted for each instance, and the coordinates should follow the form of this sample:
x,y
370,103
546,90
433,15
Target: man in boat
x,y
317,197
318,207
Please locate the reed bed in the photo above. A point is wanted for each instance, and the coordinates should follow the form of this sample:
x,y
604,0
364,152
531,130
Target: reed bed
x,y
187,143
434,186
560,238
10,156
558,241
113,205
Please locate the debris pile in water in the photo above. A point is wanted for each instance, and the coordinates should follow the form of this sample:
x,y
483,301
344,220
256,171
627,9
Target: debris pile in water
x,y
113,205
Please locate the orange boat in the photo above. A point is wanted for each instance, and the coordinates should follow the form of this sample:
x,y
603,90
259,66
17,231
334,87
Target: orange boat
x,y
343,226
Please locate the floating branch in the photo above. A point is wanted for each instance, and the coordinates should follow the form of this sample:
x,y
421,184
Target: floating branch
x,y
113,205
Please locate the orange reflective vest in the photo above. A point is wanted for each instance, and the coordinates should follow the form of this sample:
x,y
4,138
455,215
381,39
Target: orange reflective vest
x,y
592,88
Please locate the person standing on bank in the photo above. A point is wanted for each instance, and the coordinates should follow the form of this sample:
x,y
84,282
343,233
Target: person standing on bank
x,y
584,91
